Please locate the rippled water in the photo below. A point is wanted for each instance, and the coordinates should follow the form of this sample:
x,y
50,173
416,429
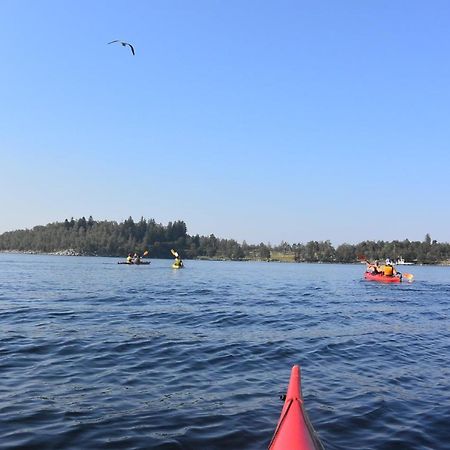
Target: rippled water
x,y
95,355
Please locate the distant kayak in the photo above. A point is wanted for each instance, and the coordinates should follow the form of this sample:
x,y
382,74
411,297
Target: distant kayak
x,y
177,266
142,263
382,278
294,430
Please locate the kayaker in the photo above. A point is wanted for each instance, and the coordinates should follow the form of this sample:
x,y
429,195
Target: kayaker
x,y
129,259
373,268
178,262
389,269
136,259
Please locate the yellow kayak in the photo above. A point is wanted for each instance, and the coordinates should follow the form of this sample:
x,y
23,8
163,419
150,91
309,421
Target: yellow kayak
x,y
177,266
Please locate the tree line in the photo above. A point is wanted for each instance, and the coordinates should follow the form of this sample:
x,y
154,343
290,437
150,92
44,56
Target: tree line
x,y
110,238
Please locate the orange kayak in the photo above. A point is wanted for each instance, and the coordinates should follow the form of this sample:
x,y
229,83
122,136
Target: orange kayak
x,y
294,430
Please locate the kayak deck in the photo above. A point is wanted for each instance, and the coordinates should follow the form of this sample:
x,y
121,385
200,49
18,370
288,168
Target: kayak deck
x,y
294,430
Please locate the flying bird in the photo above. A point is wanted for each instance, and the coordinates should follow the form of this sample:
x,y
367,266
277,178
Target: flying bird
x,y
124,44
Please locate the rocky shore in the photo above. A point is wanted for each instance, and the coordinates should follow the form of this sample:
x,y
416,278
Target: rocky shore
x,y
67,252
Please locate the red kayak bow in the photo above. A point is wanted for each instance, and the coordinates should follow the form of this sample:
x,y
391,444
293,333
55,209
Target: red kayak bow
x,y
294,430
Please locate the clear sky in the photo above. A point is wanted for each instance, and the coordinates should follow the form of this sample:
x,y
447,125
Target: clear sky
x,y
253,120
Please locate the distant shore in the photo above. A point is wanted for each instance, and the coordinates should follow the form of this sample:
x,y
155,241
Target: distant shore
x,y
72,252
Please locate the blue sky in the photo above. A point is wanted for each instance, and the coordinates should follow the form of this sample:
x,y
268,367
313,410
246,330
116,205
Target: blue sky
x,y
254,120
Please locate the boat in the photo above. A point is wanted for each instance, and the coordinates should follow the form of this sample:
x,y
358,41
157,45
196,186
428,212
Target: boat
x,y
177,266
402,262
382,278
294,430
142,263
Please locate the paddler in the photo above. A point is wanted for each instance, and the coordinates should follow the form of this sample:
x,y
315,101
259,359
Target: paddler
x,y
129,259
388,269
373,268
177,262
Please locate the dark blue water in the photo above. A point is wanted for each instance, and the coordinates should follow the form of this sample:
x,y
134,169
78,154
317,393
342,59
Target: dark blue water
x,y
95,355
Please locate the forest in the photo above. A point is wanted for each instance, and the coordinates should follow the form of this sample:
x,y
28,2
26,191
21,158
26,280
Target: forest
x,y
110,238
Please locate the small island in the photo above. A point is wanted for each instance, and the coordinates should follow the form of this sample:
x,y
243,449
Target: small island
x,y
89,237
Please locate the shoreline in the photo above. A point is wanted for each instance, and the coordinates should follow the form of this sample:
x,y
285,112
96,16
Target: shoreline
x,y
72,252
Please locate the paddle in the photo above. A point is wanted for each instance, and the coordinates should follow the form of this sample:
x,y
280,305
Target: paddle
x,y
408,276
363,259
174,253
143,254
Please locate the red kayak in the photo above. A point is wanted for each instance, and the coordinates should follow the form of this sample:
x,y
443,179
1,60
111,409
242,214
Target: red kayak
x,y
294,430
382,278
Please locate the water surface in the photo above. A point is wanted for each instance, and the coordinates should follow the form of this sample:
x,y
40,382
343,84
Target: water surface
x,y
97,355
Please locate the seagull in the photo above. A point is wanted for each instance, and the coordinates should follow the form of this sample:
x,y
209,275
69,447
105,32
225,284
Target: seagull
x,y
124,44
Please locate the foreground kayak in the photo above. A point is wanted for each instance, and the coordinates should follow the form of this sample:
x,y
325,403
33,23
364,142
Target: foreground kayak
x,y
142,263
382,278
294,430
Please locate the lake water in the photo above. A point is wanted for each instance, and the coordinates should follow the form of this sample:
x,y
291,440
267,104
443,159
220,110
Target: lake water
x,y
96,355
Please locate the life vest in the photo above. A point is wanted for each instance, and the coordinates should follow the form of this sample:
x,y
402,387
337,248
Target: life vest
x,y
388,271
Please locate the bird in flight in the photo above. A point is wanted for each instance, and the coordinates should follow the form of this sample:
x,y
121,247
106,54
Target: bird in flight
x,y
124,44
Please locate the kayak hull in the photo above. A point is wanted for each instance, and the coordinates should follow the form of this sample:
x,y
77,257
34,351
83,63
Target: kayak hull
x,y
177,266
294,430
382,278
